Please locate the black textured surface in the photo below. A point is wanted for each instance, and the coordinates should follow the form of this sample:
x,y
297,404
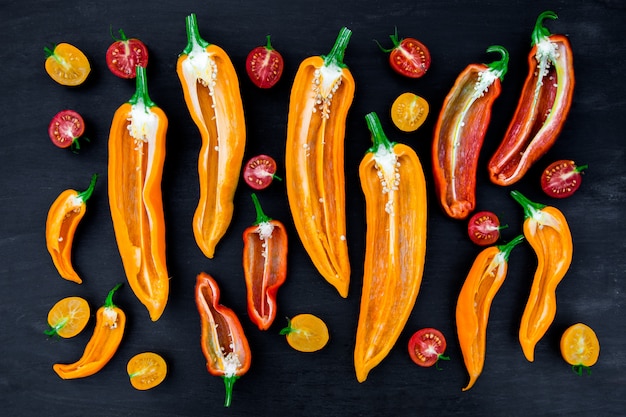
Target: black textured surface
x,y
281,380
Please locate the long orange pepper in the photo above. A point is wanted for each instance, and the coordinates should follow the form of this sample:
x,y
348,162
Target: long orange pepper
x,y
264,265
548,233
136,156
460,132
394,185
483,281
224,344
321,96
106,338
211,90
64,215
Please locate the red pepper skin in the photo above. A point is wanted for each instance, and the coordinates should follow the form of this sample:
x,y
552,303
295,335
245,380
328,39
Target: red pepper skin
x,y
223,341
543,106
264,266
460,132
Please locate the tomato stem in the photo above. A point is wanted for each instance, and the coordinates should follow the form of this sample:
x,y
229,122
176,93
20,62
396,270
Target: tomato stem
x,y
268,46
335,57
441,357
578,369
540,32
394,39
378,135
288,329
193,35
581,168
261,217
141,90
122,37
530,207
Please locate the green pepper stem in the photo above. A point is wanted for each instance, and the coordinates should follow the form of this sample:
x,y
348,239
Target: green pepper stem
x,y
229,381
508,247
530,207
540,31
378,135
502,66
85,195
108,302
193,35
335,57
141,88
261,217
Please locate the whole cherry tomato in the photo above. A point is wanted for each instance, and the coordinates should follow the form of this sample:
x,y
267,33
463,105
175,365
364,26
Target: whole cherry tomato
x,y
409,111
66,64
264,65
484,227
426,347
65,128
125,54
259,172
408,57
561,178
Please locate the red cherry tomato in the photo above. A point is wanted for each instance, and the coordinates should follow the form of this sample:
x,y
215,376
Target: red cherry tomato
x,y
483,228
264,65
562,178
125,54
65,128
408,57
426,347
259,172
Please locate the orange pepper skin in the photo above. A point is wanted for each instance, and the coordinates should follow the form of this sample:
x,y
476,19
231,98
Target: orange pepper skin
x,y
547,232
136,157
542,109
64,215
460,132
107,336
264,266
211,91
223,341
481,285
392,179
321,95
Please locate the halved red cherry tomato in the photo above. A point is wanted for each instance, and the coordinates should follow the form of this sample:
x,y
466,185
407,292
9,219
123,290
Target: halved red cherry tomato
x,y
259,172
426,347
124,55
408,57
65,128
264,65
484,227
66,64
561,178
409,111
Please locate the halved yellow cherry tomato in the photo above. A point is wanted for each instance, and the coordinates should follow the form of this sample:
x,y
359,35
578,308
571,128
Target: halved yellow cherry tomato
x,y
409,111
146,370
306,333
68,317
580,347
66,64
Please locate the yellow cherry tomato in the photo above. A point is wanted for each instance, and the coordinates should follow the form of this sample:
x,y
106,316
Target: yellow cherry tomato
x,y
68,317
409,111
146,370
306,333
580,347
66,64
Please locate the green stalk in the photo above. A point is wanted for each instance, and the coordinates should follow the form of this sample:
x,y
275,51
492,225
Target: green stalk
x,y
508,247
141,89
261,217
530,208
335,57
499,67
540,32
193,35
378,135
85,195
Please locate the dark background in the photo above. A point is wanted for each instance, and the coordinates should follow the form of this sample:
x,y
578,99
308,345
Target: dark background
x,y
282,380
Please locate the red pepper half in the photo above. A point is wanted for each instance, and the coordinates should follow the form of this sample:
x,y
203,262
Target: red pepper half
x,y
223,341
460,132
264,265
542,108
